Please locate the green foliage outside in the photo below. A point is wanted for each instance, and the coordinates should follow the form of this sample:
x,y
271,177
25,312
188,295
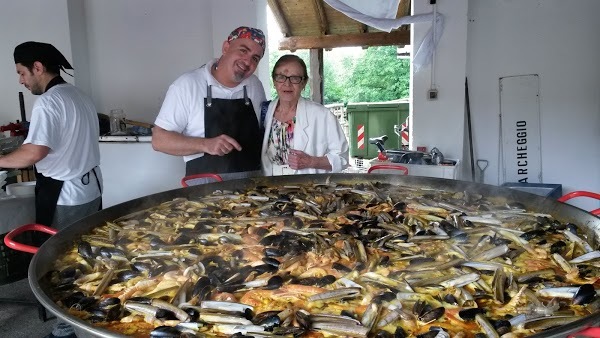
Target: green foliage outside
x,y
375,75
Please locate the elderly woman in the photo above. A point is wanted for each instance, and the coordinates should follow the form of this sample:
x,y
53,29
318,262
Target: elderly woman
x,y
301,136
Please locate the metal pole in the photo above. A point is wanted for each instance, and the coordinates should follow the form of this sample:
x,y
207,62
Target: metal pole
x,y
22,106
469,128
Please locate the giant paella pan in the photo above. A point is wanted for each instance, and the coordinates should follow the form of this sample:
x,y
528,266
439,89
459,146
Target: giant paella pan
x,y
326,256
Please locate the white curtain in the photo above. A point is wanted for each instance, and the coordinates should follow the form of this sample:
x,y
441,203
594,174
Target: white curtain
x,y
383,9
381,14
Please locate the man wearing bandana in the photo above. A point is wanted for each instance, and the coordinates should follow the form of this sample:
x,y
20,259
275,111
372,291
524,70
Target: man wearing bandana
x,y
210,115
62,142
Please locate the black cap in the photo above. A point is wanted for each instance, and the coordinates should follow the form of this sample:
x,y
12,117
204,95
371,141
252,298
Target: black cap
x,y
31,51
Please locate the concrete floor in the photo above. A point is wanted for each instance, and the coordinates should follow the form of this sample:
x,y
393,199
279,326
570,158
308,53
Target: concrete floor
x,y
19,320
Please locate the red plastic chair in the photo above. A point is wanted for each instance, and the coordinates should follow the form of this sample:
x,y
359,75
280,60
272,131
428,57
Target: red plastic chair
x,y
580,193
388,166
186,179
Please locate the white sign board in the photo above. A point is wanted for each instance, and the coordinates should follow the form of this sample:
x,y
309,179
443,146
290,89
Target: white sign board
x,y
521,148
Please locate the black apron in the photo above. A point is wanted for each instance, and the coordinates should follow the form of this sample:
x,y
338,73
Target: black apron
x,y
235,118
47,189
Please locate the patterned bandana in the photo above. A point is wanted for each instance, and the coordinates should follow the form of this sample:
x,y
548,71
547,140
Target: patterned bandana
x,y
245,32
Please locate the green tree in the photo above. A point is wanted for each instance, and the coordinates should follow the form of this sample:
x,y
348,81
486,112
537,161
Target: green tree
x,y
333,84
379,76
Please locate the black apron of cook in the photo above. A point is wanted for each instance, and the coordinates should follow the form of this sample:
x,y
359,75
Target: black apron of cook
x,y
237,119
47,189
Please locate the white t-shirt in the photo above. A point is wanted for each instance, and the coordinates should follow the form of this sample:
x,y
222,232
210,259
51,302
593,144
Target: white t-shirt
x,y
183,108
65,120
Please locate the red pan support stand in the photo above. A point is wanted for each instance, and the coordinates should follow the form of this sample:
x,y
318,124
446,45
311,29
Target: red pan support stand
x,y
10,242
388,166
595,212
196,176
590,332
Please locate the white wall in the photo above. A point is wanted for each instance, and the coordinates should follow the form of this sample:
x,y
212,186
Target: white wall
x,y
558,41
22,21
138,47
79,46
440,123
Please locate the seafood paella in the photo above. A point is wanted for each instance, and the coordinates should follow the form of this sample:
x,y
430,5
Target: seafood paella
x,y
330,260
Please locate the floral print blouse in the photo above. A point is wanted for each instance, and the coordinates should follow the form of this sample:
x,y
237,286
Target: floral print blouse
x,y
280,141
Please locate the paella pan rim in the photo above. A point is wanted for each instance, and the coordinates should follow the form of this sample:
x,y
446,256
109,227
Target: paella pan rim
x,y
47,253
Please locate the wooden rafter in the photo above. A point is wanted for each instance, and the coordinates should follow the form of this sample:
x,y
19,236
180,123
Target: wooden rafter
x,y
347,40
320,12
362,28
403,8
279,17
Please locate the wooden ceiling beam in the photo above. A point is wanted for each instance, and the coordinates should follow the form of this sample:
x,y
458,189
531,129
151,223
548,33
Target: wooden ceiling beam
x,y
403,8
320,11
362,28
347,40
279,17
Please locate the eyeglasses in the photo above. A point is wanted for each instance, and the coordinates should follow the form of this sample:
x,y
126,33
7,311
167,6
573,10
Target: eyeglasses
x,y
293,79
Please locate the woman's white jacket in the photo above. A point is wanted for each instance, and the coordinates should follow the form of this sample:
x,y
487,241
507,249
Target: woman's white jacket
x,y
317,133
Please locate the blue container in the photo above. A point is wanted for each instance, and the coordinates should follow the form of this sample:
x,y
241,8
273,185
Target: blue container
x,y
553,191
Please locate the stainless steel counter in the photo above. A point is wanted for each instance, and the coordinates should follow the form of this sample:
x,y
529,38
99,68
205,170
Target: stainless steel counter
x,y
15,212
125,138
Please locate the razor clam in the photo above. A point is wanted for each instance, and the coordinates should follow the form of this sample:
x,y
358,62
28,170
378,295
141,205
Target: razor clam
x,y
485,325
542,323
528,276
429,238
466,298
482,220
245,329
461,280
560,261
492,253
305,215
221,318
577,240
342,329
217,306
335,294
580,295
370,315
429,209
389,282
161,304
438,266
483,266
498,284
394,311
141,308
430,281
590,256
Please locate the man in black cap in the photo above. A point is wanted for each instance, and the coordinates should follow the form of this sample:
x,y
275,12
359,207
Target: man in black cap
x,y
62,141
